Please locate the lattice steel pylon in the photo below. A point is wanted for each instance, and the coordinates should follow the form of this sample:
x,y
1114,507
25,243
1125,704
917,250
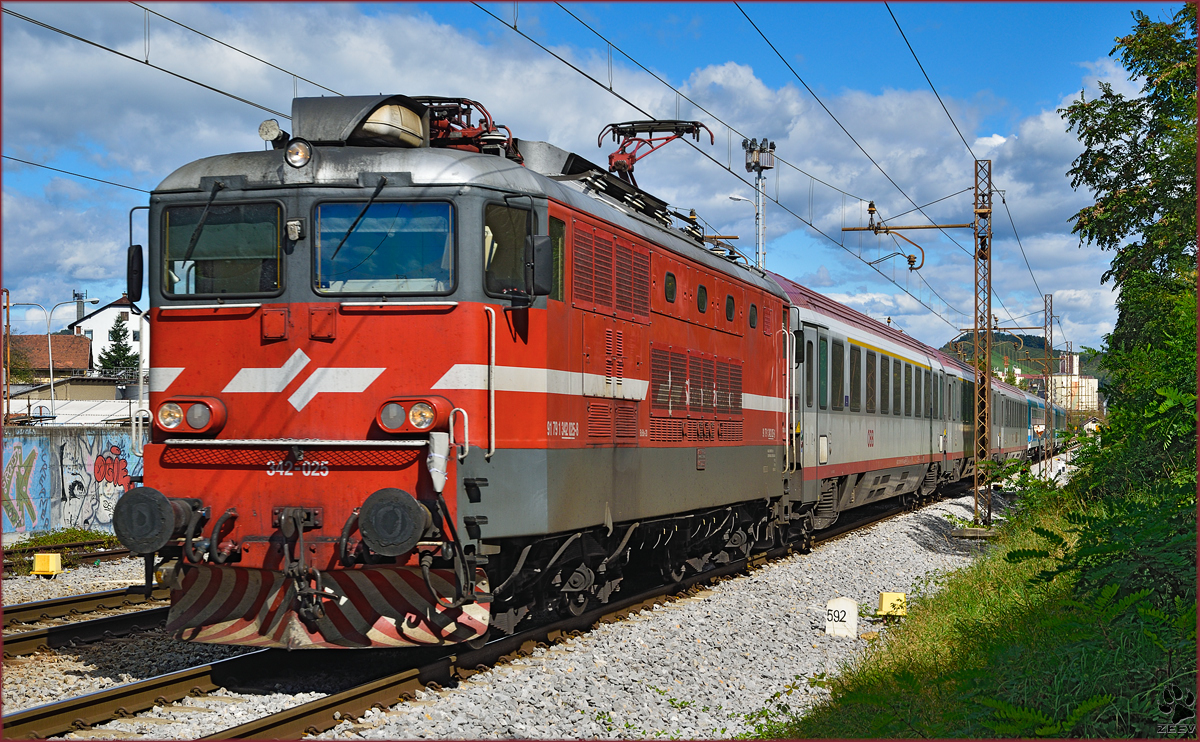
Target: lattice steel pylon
x,y
983,333
1049,321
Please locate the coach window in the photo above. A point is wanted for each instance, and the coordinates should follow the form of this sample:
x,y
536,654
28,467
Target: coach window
x,y
222,249
754,317
504,233
823,373
884,376
702,299
897,388
389,248
908,390
838,376
729,307
669,287
870,381
917,392
928,397
855,378
808,374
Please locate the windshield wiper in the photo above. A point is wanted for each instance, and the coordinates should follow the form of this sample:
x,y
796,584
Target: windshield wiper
x,y
218,185
357,219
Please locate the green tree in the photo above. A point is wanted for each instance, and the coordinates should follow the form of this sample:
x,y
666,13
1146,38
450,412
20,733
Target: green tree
x,y
119,354
19,366
1140,153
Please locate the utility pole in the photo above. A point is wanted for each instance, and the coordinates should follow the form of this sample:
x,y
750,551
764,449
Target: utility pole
x,y
1049,329
760,156
983,333
983,323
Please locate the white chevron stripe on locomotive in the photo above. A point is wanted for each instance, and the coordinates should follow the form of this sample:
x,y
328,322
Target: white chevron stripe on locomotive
x,y
275,380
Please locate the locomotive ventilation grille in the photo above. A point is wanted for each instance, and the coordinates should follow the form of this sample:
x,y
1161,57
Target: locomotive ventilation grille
x,y
261,457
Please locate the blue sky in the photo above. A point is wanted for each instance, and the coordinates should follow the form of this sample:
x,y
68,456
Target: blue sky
x,y
1001,68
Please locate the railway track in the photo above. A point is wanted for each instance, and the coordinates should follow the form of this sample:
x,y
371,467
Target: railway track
x,y
440,668
78,604
21,555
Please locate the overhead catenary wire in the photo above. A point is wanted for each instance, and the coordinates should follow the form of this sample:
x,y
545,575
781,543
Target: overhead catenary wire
x,y
234,48
639,109
682,95
144,63
76,175
965,144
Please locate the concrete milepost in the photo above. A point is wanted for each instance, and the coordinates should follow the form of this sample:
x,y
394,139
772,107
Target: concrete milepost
x,y
841,618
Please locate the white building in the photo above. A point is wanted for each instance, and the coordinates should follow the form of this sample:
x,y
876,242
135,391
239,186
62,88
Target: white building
x,y
97,325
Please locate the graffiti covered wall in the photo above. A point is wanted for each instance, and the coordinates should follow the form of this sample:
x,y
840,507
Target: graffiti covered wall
x,y
65,477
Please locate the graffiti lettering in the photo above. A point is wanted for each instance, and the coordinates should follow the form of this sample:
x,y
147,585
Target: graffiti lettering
x,y
113,469
19,508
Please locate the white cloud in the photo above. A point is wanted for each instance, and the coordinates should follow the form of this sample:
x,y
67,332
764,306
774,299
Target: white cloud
x,y
65,101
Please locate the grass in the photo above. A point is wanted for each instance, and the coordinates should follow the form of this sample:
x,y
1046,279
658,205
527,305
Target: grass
x,y
49,541
997,649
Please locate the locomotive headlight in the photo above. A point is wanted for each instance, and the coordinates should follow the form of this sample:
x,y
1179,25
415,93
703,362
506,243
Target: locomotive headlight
x,y
298,153
170,415
421,415
392,416
198,415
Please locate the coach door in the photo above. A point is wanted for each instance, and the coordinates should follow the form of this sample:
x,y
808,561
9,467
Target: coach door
x,y
814,422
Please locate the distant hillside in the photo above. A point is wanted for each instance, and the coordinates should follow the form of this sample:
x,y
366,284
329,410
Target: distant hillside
x,y
1019,348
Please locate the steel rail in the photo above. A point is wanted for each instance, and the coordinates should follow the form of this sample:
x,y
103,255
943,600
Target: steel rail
x,y
325,713
79,556
53,637
123,700
319,715
76,604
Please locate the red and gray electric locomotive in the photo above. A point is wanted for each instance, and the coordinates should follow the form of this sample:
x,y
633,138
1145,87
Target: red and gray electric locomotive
x,y
414,380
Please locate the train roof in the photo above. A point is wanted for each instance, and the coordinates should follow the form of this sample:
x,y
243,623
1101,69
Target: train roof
x,y
548,171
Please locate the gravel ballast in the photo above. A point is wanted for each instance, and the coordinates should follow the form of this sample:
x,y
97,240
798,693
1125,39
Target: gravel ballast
x,y
89,578
690,669
695,667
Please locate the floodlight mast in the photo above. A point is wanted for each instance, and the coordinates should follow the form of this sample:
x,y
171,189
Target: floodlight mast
x,y
760,156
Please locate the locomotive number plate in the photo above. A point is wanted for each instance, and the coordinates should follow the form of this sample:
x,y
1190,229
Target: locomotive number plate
x,y
562,429
290,468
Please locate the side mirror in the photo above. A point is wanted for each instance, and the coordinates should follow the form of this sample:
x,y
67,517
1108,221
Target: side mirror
x,y
133,273
539,265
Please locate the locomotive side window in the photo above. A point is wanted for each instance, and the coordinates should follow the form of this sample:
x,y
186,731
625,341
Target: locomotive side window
x,y
670,287
884,376
224,249
838,376
908,369
870,381
808,373
729,307
558,238
754,317
504,230
855,378
391,248
823,373
702,299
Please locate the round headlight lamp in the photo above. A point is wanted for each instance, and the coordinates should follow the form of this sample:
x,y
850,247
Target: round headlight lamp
x,y
170,415
421,415
198,415
392,416
298,153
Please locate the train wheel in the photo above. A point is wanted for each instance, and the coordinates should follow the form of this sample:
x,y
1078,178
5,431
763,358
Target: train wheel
x,y
576,603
